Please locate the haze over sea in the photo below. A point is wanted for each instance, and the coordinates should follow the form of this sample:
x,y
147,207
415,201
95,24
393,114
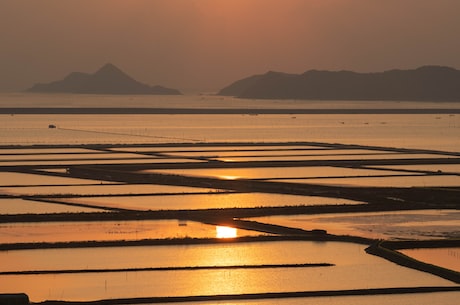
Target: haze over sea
x,y
426,125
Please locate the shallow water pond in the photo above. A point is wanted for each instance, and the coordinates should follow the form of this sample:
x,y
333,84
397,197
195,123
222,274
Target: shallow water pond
x,y
405,181
206,201
12,178
282,152
445,257
218,148
70,157
109,230
26,151
333,157
276,172
22,206
93,161
222,254
353,269
107,189
445,168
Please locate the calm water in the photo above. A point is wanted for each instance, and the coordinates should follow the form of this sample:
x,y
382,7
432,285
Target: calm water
x,y
411,131
208,201
420,131
446,168
276,172
22,206
12,178
104,189
109,230
353,268
445,257
412,181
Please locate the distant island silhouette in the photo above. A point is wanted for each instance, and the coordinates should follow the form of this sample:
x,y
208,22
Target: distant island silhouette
x,y
427,83
107,80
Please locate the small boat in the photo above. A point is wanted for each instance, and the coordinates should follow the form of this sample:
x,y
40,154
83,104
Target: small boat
x,y
51,126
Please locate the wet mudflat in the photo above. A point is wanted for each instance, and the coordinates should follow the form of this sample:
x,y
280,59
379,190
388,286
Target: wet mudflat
x,y
197,206
388,225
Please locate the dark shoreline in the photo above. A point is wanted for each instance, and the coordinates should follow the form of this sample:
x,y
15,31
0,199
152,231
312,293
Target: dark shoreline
x,y
225,146
249,111
184,241
186,268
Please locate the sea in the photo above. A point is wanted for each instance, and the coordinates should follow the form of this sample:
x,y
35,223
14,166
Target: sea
x,y
437,127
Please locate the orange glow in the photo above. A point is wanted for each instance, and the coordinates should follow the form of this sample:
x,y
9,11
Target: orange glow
x,y
232,173
225,232
227,160
228,177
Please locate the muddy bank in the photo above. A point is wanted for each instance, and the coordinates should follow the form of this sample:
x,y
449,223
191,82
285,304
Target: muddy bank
x,y
206,215
257,296
190,268
420,244
182,241
225,146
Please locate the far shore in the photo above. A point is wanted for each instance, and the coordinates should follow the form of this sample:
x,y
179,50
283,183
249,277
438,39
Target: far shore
x,y
241,111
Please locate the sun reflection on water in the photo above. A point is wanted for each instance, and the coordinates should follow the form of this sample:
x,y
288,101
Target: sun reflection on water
x,y
228,177
225,232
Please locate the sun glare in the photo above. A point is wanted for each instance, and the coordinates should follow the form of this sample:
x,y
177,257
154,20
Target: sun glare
x,y
225,232
228,177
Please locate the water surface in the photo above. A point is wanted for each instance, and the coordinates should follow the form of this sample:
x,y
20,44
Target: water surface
x,y
354,269
276,172
445,257
12,178
108,230
103,188
206,201
23,206
406,181
405,130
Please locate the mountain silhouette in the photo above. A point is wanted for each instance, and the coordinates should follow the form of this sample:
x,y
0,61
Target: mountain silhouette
x,y
107,80
427,83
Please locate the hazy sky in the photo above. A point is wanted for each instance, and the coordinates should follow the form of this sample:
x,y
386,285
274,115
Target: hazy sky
x,y
203,45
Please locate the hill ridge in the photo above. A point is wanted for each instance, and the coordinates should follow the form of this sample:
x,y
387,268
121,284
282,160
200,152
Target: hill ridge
x,y
426,83
108,79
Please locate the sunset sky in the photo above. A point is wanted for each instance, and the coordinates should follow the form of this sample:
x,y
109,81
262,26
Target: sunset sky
x,y
203,45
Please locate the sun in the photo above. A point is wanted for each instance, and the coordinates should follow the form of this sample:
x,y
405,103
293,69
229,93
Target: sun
x,y
225,232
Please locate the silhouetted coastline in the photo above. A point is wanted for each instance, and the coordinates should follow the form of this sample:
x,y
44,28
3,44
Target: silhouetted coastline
x,y
427,83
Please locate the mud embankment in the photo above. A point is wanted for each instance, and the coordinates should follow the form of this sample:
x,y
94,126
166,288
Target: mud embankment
x,y
258,296
384,249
